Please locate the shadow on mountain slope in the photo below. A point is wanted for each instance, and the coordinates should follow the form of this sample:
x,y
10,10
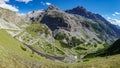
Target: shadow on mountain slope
x,y
111,50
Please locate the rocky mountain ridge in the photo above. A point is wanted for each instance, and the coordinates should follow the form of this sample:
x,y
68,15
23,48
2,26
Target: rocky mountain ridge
x,y
79,10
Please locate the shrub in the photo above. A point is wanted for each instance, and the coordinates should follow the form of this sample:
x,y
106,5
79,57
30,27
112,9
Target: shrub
x,y
99,42
96,27
23,48
37,28
75,41
60,36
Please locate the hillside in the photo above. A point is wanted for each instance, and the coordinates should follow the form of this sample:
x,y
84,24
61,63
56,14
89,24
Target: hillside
x,y
14,54
113,49
10,20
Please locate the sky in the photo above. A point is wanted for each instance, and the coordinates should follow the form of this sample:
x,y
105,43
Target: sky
x,y
110,9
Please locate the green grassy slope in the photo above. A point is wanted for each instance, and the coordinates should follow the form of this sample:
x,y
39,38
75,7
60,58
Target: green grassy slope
x,y
13,54
99,62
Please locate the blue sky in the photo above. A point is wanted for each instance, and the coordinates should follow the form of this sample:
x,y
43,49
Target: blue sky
x,y
110,9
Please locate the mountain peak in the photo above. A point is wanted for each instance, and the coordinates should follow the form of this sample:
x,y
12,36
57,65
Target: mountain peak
x,y
79,8
52,7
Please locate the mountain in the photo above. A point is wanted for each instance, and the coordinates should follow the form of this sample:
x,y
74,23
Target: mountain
x,y
79,10
118,26
58,33
96,17
91,25
53,37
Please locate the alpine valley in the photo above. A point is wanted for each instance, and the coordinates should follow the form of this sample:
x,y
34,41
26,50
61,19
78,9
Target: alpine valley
x,y
53,38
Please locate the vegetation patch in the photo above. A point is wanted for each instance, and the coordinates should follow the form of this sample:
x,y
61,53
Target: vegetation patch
x,y
60,36
75,41
23,48
36,29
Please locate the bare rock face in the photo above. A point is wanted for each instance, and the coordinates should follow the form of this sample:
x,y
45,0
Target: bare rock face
x,y
55,20
34,15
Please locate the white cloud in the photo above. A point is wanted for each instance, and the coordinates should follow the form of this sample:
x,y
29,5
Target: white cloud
x,y
42,3
108,18
114,21
3,1
10,7
45,3
116,13
25,1
48,3
7,6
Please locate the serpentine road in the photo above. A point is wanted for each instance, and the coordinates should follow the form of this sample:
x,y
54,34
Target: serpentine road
x,y
43,54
